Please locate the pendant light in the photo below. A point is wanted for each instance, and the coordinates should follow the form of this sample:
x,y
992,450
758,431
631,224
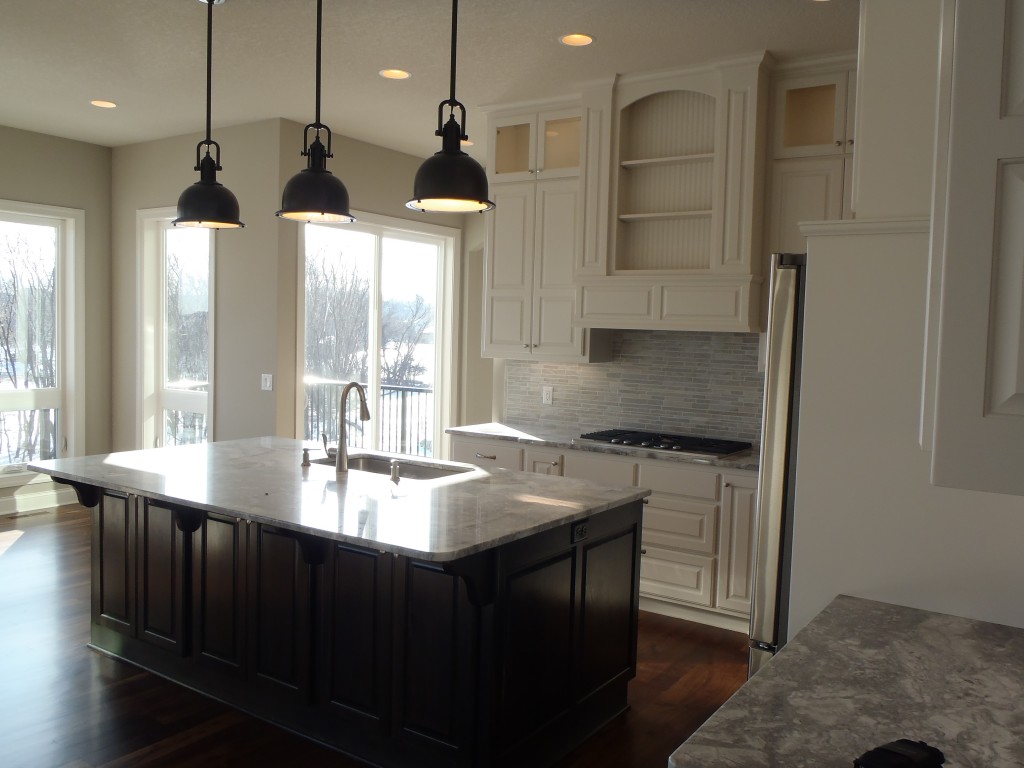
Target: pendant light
x,y
314,193
208,203
451,181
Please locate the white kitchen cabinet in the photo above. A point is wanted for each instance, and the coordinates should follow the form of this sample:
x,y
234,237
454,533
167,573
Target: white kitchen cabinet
x,y
736,543
812,141
813,109
698,529
489,454
805,189
533,237
543,461
532,146
599,468
687,159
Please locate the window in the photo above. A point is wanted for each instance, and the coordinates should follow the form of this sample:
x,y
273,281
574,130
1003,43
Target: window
x,y
41,413
177,333
375,308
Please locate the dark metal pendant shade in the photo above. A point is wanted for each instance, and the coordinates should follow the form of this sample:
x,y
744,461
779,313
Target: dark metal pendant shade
x,y
208,203
450,181
314,193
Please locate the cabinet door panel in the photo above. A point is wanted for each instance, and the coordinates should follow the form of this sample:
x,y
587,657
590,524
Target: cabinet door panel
x,y
487,453
162,562
356,667
436,660
508,272
113,583
671,521
804,190
219,593
280,613
736,545
679,576
603,470
543,461
679,479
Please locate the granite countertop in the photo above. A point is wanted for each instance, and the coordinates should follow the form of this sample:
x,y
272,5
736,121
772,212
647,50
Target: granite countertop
x,y
864,673
553,439
261,479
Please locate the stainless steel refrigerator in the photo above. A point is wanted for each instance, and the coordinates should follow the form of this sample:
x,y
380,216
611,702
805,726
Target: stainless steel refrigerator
x,y
777,468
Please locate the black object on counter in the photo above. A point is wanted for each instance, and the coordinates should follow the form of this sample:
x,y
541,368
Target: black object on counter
x,y
902,753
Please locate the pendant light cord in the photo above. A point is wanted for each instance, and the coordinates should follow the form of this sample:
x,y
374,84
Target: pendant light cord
x,y
319,16
455,32
209,67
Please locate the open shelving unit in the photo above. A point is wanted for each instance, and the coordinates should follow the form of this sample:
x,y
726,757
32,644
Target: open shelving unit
x,y
666,174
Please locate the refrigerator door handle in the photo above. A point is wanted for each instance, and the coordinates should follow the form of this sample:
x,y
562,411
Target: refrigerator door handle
x,y
782,341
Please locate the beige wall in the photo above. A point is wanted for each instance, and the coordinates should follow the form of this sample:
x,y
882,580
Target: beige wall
x,y
255,267
868,521
72,174
477,372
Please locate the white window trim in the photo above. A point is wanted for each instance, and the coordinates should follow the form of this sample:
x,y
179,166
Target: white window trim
x,y
149,308
446,389
71,320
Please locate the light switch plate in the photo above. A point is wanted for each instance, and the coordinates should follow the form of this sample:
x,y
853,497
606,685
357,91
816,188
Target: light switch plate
x,y
267,382
546,395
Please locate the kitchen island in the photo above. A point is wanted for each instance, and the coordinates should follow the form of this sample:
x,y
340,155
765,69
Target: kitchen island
x,y
458,617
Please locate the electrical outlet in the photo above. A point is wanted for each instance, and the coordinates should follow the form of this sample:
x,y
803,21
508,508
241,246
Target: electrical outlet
x,y
546,394
267,382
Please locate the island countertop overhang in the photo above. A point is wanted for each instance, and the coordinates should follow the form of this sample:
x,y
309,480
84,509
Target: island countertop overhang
x,y
260,479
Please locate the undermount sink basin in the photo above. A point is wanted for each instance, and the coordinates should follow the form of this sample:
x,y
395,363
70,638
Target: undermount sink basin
x,y
411,469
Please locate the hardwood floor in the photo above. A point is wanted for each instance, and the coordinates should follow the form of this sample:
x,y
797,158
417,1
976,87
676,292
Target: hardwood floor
x,y
63,705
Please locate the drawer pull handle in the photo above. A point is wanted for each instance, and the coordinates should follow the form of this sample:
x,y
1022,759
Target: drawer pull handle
x,y
555,463
484,456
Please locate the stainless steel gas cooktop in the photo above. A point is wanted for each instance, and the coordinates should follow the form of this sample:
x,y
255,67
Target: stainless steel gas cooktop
x,y
704,446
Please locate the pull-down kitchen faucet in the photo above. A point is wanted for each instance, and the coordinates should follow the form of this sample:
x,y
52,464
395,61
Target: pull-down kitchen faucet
x,y
341,460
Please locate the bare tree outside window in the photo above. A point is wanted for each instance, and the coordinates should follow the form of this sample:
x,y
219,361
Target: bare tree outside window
x,y
28,337
186,346
357,282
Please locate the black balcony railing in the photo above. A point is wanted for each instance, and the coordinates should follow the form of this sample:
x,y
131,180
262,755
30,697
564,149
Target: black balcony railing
x,y
405,415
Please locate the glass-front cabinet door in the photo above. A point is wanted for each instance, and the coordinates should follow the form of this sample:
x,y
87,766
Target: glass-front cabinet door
x,y
544,145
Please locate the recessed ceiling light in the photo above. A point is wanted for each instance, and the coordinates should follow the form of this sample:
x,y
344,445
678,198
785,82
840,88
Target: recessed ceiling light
x,y
576,40
103,104
394,74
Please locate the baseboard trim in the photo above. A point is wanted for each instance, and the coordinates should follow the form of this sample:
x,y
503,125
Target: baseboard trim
x,y
26,501
698,615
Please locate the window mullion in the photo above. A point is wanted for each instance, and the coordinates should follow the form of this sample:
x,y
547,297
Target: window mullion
x,y
373,363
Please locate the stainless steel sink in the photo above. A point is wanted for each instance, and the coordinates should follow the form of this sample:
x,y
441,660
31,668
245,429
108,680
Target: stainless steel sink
x,y
411,469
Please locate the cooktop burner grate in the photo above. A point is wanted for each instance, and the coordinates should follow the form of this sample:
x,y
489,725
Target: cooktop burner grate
x,y
684,443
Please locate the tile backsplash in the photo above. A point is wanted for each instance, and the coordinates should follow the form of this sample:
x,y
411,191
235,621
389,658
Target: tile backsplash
x,y
704,384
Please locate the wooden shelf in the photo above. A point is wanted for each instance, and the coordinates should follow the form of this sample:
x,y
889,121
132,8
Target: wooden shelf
x,y
652,162
664,215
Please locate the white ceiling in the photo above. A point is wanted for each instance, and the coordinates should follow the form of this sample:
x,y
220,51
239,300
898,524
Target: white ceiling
x,y
149,56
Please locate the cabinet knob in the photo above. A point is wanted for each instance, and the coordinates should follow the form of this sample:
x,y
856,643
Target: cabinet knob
x,y
643,551
554,463
485,456
850,142
647,501
728,485
839,143
526,346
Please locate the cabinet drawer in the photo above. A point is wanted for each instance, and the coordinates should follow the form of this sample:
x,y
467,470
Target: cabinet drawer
x,y
603,470
681,523
487,453
680,479
680,576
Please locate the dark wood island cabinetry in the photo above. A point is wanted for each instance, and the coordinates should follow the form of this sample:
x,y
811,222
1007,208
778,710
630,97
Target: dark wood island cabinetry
x,y
508,651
